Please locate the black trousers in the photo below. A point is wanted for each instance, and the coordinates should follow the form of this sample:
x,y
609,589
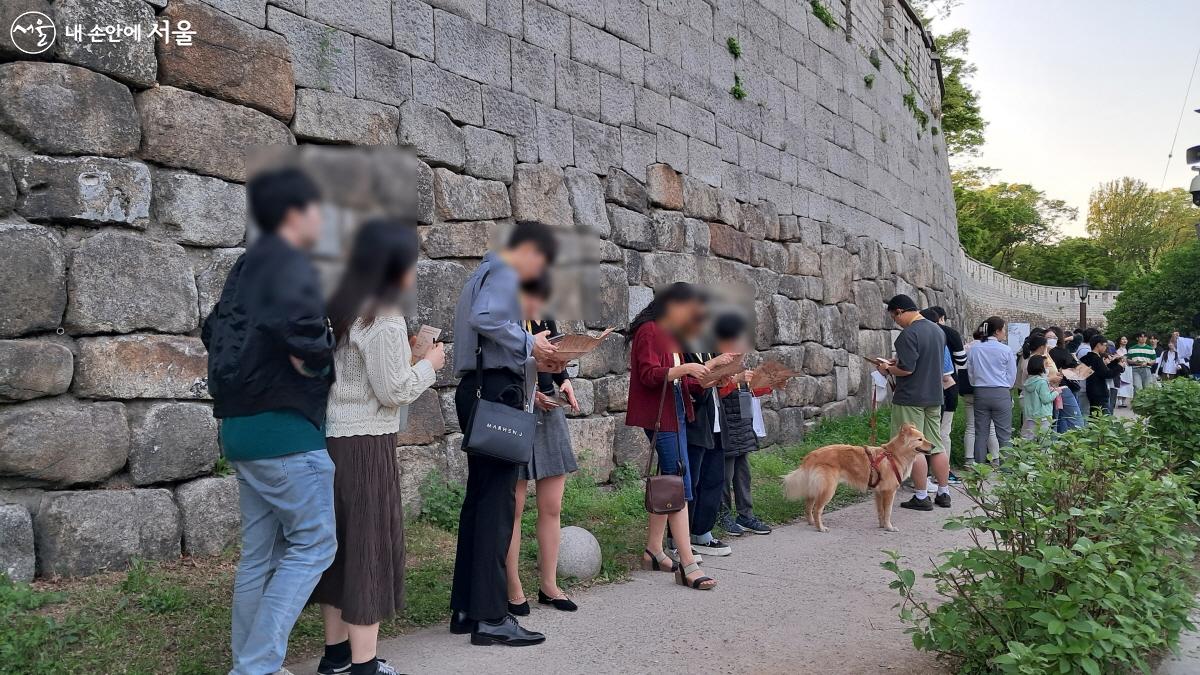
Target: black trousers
x,y
485,523
737,475
708,485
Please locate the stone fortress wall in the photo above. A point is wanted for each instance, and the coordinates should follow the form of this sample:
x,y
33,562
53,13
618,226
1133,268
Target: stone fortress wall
x,y
122,208
987,292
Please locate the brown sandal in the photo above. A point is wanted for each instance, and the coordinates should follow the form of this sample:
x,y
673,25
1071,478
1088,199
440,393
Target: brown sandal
x,y
658,562
698,583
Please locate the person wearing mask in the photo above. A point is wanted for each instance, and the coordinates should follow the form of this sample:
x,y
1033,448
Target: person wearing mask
x,y
553,458
917,398
968,398
1104,367
1125,385
368,405
992,367
489,327
738,436
270,364
1037,400
957,353
1141,357
656,336
1070,416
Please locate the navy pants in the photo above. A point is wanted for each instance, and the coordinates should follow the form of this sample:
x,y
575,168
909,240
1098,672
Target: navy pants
x,y
708,485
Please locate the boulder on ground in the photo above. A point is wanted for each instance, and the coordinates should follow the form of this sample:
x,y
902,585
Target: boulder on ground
x,y
579,554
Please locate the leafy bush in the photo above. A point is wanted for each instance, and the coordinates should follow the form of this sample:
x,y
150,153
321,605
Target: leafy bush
x,y
1173,413
1080,560
823,14
441,501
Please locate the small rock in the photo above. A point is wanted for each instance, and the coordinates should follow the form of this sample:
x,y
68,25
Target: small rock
x,y
211,515
579,554
33,368
82,533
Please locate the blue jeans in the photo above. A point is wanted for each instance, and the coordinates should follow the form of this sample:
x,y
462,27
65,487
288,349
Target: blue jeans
x,y
670,447
1070,416
288,539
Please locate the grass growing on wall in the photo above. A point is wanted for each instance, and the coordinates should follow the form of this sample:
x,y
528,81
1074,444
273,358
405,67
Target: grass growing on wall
x,y
174,616
823,14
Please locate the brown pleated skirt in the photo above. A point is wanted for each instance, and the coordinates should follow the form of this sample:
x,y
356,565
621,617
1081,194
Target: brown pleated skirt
x,y
366,579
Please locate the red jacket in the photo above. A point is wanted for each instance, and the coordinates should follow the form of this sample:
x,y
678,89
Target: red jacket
x,y
650,357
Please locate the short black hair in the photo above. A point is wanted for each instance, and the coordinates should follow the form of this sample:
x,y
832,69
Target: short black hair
x,y
1097,339
538,234
901,302
273,193
729,326
1036,365
938,310
538,287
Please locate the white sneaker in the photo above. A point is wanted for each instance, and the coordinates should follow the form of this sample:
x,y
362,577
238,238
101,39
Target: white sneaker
x,y
714,547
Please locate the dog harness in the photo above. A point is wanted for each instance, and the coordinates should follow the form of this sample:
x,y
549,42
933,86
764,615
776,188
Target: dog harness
x,y
875,461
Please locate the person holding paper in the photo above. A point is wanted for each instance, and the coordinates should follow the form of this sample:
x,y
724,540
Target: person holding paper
x,y
655,360
368,405
706,457
552,460
1104,367
1070,416
488,327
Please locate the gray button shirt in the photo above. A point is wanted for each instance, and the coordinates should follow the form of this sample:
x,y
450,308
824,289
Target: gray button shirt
x,y
489,306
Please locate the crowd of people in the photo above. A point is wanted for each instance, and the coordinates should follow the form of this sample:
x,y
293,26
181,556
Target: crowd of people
x,y
313,392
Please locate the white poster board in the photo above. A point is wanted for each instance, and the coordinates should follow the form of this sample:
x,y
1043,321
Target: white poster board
x,y
1017,332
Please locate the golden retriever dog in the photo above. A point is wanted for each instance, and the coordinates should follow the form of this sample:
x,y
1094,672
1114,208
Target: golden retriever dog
x,y
859,466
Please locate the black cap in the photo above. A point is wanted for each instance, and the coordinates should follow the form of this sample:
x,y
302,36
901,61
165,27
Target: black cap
x,y
901,302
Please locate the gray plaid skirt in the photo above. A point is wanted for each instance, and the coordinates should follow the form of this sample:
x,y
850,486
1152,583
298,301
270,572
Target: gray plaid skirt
x,y
552,454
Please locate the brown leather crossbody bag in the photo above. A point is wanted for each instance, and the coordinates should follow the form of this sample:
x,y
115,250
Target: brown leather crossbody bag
x,y
664,493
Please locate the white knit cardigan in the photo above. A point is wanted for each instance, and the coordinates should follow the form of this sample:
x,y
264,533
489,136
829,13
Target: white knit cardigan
x,y
374,382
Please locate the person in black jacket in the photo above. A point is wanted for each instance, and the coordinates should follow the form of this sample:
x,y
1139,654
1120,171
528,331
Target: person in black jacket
x,y
270,360
1104,367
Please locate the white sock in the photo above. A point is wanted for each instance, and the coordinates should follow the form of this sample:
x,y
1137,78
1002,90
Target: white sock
x,y
943,489
922,494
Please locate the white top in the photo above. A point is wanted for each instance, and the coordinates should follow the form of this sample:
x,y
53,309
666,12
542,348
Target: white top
x,y
374,382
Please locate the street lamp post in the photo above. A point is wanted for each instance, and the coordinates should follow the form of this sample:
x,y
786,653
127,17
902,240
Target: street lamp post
x,y
1082,287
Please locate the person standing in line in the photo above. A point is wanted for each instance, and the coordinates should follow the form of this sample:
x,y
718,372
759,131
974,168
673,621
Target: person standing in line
x,y
270,364
488,326
656,336
1168,361
1104,367
1037,400
917,399
950,393
968,397
1070,416
992,367
706,458
1141,357
368,405
553,458
1125,384
738,436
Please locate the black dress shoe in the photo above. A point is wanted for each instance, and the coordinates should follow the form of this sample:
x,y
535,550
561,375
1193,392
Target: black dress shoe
x,y
460,623
565,604
519,610
506,631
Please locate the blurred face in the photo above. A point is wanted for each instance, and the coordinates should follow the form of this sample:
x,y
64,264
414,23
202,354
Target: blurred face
x,y
1123,341
528,261
302,227
408,280
678,316
1002,334
1153,341
531,306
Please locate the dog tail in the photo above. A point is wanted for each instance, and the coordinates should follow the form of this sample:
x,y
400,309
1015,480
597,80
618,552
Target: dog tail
x,y
797,484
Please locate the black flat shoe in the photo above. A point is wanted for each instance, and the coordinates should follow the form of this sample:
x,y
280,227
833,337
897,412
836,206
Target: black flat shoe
x,y
506,632
460,623
519,610
564,603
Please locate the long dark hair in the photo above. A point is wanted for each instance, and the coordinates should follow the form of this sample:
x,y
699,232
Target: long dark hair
x,y
680,291
991,326
384,250
1032,344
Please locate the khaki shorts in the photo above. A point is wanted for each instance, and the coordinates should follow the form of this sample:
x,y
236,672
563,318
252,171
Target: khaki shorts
x,y
927,419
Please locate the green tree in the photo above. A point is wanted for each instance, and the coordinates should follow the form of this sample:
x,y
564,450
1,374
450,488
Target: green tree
x,y
1165,299
962,119
1137,223
995,218
1066,262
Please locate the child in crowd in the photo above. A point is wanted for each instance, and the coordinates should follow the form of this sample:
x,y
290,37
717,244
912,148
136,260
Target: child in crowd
x,y
1037,400
738,436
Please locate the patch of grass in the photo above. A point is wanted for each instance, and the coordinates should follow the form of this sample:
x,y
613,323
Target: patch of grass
x,y
734,47
873,57
737,90
869,80
823,14
222,467
442,500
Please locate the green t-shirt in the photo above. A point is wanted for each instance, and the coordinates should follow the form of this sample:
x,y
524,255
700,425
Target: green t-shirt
x,y
269,434
1135,353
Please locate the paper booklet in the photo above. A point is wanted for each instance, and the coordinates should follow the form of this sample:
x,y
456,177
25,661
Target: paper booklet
x,y
426,336
571,347
771,374
719,373
1078,373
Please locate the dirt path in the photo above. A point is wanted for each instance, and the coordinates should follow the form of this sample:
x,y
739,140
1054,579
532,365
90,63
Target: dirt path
x,y
794,602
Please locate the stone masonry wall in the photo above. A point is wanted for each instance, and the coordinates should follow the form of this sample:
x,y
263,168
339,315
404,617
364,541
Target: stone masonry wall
x,y
987,292
122,208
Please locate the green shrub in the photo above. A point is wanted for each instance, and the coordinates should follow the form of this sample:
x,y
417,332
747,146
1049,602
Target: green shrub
x,y
441,501
823,14
1173,413
734,47
1081,560
737,90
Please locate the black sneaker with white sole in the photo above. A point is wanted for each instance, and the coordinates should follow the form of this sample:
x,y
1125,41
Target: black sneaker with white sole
x,y
328,666
918,504
731,526
713,547
942,500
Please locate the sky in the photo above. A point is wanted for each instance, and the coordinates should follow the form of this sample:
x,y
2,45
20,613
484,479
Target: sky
x,y
1079,92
